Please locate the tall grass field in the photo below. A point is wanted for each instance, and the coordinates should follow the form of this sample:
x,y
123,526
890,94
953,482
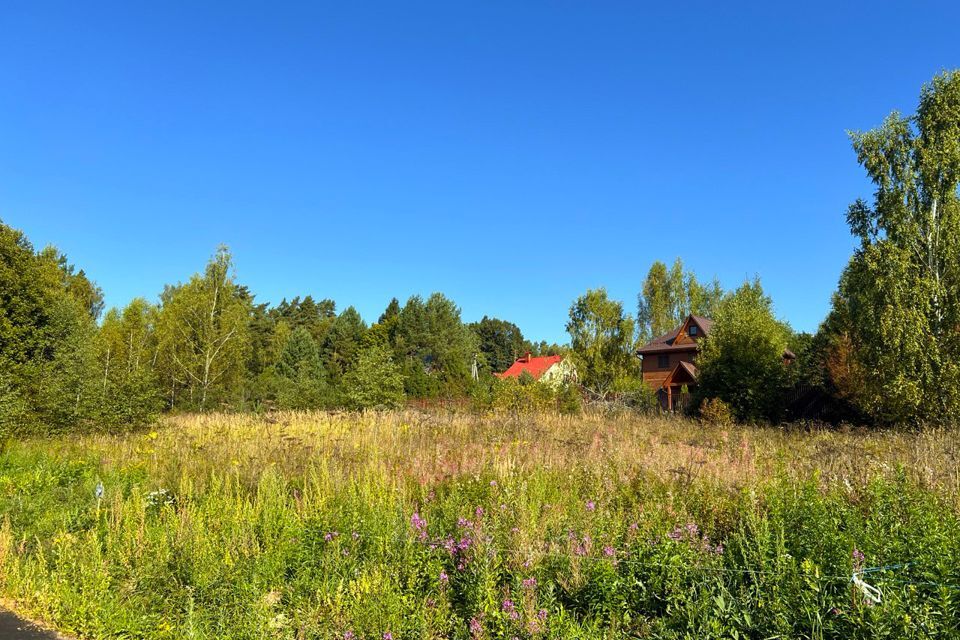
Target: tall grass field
x,y
446,524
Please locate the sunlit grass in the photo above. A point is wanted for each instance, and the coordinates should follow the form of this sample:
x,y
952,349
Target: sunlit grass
x,y
453,524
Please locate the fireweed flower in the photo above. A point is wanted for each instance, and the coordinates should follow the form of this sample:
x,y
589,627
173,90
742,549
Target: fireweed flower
x,y
387,635
348,635
417,522
419,525
530,583
444,578
510,609
609,551
476,629
591,505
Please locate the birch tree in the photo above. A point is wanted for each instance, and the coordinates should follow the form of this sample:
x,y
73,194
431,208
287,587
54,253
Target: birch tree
x,y
601,342
203,329
900,292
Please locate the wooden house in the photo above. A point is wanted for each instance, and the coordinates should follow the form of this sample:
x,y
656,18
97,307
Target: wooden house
x,y
668,360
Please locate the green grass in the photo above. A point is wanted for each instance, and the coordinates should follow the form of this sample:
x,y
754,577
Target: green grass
x,y
431,525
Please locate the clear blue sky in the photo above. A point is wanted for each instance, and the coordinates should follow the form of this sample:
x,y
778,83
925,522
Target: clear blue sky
x,y
509,154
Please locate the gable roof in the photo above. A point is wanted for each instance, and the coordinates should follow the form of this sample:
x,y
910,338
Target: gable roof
x,y
682,367
667,342
535,366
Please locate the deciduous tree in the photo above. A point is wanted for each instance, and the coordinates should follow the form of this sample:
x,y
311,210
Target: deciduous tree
x,y
899,298
601,341
203,334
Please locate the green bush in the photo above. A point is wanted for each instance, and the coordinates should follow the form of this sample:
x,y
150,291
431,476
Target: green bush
x,y
715,411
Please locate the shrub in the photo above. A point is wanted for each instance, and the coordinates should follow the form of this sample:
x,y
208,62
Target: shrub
x,y
715,411
569,400
375,381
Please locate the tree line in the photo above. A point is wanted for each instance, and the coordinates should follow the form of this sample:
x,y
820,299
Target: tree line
x,y
208,344
887,353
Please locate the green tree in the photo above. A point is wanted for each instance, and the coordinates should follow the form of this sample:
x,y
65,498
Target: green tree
x,y
741,359
303,382
374,381
342,342
315,317
668,296
203,335
47,360
130,393
898,303
500,342
601,342
435,346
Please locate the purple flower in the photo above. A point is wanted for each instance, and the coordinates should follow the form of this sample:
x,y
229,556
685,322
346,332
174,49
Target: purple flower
x,y
542,614
609,551
387,635
330,536
417,522
355,535
444,578
348,635
493,483
475,627
510,609
479,512
530,583
591,505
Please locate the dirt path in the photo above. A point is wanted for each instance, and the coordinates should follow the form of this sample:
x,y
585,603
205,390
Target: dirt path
x,y
14,628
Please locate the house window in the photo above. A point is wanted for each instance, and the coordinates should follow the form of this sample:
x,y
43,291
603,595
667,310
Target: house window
x,y
663,361
693,330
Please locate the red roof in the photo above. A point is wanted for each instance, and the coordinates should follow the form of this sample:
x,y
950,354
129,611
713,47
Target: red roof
x,y
535,366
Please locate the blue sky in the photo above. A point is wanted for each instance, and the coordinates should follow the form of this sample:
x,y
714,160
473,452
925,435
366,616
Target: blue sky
x,y
509,154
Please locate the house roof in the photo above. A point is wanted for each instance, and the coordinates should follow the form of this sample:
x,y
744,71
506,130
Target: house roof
x,y
666,342
535,366
689,368
682,367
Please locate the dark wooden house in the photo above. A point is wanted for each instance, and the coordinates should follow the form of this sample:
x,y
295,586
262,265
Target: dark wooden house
x,y
668,361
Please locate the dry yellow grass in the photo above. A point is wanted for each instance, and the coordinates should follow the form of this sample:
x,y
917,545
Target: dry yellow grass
x,y
426,446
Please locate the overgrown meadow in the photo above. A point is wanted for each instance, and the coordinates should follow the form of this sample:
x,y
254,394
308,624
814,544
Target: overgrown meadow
x,y
443,524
